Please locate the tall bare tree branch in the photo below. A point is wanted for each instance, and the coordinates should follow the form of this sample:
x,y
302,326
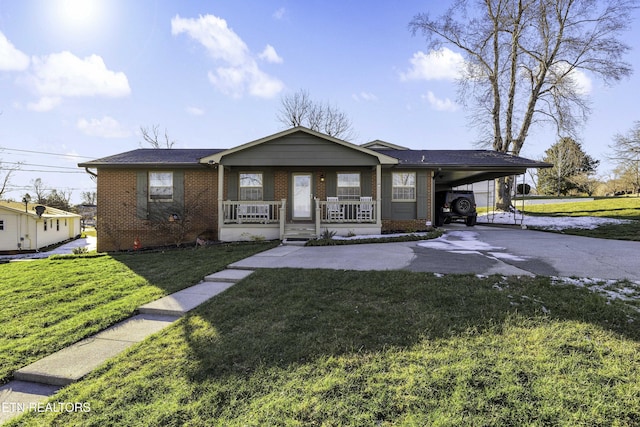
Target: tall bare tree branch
x,y
299,109
152,137
524,61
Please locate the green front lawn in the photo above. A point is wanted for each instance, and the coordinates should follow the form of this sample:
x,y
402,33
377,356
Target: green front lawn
x,y
612,207
52,303
626,208
319,347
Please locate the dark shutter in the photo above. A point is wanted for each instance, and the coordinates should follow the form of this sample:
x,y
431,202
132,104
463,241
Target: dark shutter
x,y
386,195
331,184
365,184
142,195
268,186
421,193
232,185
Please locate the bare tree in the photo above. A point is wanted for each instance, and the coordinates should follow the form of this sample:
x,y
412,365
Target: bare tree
x,y
5,176
523,63
626,153
152,137
299,109
40,190
89,197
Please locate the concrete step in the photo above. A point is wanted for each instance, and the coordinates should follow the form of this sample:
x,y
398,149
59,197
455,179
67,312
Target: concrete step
x,y
229,275
297,242
72,363
179,303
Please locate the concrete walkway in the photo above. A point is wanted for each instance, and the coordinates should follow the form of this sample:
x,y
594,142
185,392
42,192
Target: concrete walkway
x,y
40,380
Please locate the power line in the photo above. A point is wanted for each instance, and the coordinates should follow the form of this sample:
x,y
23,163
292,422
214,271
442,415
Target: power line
x,y
41,171
42,166
44,152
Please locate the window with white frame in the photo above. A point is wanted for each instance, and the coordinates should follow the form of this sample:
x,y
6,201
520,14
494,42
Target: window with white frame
x,y
403,186
161,186
348,186
1,224
251,186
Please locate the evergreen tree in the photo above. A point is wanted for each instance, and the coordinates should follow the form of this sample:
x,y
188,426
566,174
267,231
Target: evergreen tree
x,y
571,165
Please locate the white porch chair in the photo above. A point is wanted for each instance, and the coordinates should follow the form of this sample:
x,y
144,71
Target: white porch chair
x,y
365,209
335,211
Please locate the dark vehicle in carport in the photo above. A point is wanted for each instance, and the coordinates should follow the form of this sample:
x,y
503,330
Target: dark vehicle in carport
x,y
455,205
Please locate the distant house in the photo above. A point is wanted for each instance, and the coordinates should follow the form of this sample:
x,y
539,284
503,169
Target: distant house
x,y
88,213
32,227
293,184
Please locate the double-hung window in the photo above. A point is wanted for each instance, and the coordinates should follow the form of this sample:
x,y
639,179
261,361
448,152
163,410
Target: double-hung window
x,y
1,225
403,187
348,186
161,186
251,186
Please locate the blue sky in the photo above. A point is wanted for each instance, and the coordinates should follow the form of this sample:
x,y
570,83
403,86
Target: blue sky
x,y
79,77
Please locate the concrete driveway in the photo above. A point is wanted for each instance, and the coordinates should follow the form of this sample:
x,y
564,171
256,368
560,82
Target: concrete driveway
x,y
478,250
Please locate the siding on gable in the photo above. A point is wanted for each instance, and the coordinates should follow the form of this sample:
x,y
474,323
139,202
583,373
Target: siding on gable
x,y
299,150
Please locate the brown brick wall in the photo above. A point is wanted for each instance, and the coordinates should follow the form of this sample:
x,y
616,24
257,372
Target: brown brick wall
x,y
117,222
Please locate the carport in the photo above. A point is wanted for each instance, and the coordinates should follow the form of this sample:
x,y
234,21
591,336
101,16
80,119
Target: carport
x,y
455,168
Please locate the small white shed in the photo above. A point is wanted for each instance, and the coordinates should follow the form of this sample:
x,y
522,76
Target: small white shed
x,y
28,227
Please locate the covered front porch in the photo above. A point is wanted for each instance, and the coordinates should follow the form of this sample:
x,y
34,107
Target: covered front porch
x,y
269,220
295,185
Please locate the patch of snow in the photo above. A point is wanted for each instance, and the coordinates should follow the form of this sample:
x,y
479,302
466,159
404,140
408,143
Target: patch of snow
x,y
607,287
378,236
556,223
459,241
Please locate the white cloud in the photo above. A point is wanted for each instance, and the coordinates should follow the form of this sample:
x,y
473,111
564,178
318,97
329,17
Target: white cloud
x,y
235,81
269,54
582,81
11,59
107,127
364,96
63,75
576,80
212,32
195,111
443,64
279,14
239,73
46,103
440,104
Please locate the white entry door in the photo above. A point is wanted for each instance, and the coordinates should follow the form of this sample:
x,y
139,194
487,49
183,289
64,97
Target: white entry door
x,y
302,196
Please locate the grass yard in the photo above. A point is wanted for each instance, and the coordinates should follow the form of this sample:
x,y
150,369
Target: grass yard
x,y
627,208
318,347
52,303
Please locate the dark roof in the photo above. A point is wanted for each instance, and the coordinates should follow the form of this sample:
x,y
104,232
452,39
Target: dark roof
x,y
154,157
460,159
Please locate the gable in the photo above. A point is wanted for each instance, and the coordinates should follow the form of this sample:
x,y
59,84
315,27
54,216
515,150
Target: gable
x,y
299,146
299,150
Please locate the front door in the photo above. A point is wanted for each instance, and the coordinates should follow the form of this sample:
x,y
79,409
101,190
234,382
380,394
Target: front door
x,y
302,196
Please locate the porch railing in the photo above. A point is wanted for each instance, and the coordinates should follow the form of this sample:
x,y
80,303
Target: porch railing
x,y
348,211
256,212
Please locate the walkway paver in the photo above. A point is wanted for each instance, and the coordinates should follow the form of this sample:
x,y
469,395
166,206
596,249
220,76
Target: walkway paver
x,y
181,302
41,379
72,363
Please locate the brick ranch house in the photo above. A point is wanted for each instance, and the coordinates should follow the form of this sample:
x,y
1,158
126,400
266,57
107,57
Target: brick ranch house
x,y
295,183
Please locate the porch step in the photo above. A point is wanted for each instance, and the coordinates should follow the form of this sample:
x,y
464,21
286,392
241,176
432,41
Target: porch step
x,y
298,233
